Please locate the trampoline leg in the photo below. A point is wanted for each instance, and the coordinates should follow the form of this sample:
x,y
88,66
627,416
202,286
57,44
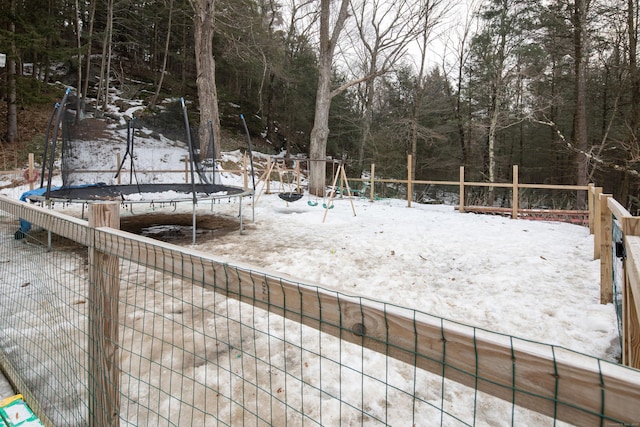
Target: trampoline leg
x,y
48,240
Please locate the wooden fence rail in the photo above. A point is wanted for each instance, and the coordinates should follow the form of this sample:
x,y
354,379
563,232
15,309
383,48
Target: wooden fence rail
x,y
602,210
515,185
559,383
605,209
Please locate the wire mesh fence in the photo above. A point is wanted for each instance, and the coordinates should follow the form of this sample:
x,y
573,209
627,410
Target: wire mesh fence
x,y
617,271
201,342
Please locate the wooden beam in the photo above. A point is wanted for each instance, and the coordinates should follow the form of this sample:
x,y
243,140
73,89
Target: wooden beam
x,y
63,225
343,174
597,224
104,295
556,187
617,209
461,183
590,199
118,162
606,263
514,194
631,292
409,183
631,302
550,380
31,172
372,182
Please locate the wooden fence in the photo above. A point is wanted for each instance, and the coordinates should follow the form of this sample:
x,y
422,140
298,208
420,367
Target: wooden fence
x,y
561,384
602,210
605,210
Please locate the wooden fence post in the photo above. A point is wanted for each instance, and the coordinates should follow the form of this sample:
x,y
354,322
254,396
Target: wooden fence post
x,y
118,160
31,173
268,177
461,204
606,263
590,192
372,180
409,182
104,276
630,321
514,194
597,224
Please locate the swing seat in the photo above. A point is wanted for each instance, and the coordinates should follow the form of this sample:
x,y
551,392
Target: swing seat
x,y
310,203
324,205
290,196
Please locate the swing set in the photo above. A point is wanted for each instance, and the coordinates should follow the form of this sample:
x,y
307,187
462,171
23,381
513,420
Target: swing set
x,y
293,192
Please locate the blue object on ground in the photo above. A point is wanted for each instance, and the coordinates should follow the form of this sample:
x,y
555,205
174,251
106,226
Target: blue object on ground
x,y
25,225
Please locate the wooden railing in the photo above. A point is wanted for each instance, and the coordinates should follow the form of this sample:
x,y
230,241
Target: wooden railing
x,y
558,383
515,185
604,211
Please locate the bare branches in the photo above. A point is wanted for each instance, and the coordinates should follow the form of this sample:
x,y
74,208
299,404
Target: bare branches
x,y
590,156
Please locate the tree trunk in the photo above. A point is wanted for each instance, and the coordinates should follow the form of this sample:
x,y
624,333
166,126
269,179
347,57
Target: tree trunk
x,y
109,50
580,120
464,153
103,86
12,108
79,97
494,113
87,72
367,119
320,131
166,54
203,29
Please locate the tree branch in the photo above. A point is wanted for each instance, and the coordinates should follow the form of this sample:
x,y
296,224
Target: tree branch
x,y
347,85
588,155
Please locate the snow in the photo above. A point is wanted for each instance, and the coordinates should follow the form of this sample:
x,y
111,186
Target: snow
x,y
535,280
531,279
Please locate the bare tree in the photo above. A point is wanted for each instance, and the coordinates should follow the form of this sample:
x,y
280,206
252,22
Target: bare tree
x,y
78,29
166,55
461,55
12,108
87,73
320,132
385,30
498,52
203,30
581,58
105,67
433,13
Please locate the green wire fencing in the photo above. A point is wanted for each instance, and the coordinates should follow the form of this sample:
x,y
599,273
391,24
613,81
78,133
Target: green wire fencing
x,y
102,327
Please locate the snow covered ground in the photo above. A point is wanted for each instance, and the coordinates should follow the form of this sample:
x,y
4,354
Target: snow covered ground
x,y
535,280
531,279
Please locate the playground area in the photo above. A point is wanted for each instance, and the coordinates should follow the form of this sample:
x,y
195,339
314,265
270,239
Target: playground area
x,y
327,310
198,345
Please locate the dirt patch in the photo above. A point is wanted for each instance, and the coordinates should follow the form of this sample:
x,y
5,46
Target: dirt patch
x,y
177,227
91,129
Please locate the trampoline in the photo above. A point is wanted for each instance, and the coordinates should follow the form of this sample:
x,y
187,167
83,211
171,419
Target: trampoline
x,y
199,184
140,193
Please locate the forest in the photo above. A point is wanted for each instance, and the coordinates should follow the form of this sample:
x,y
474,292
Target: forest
x,y
552,86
